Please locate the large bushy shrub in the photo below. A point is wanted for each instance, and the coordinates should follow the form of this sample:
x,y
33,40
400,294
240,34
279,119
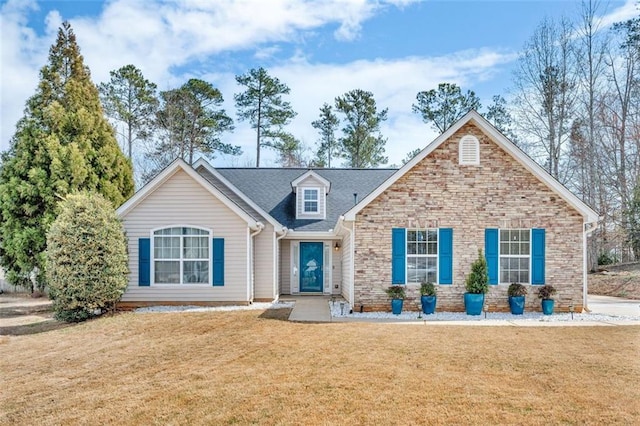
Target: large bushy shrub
x,y
86,258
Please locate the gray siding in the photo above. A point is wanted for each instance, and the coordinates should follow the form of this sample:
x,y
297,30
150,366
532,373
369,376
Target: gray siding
x,y
264,264
285,267
182,201
336,273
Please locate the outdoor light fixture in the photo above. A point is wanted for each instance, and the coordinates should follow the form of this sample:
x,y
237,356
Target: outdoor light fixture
x,y
337,246
571,310
341,308
486,309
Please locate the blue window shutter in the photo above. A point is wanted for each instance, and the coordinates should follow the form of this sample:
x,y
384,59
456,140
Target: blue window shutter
x,y
491,253
144,261
445,255
537,256
398,255
217,260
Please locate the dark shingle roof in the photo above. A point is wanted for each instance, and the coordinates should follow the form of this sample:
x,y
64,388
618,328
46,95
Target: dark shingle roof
x,y
220,186
271,190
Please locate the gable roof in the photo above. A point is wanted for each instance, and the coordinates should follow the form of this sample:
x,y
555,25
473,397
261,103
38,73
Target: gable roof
x,y
270,189
314,175
587,212
253,221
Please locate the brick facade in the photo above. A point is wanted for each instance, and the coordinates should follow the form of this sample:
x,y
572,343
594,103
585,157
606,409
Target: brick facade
x,y
438,192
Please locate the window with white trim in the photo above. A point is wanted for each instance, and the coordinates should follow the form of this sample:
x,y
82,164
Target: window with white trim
x,y
515,257
422,255
469,150
181,256
310,200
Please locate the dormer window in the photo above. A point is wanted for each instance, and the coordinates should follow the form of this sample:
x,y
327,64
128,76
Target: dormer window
x,y
311,200
311,191
469,151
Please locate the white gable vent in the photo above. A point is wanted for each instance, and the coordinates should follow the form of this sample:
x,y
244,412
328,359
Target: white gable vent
x,y
469,150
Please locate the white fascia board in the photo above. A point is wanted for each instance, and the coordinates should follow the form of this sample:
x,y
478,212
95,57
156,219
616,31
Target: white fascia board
x,y
310,235
169,171
297,181
587,212
204,163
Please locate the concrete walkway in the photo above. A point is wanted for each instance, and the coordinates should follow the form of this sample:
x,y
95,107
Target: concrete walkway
x,y
309,308
316,309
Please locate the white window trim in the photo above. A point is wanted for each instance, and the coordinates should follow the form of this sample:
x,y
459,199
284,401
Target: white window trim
x,y
515,256
436,256
322,203
464,141
152,278
304,200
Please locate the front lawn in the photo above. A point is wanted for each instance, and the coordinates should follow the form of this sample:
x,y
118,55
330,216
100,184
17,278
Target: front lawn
x,y
242,367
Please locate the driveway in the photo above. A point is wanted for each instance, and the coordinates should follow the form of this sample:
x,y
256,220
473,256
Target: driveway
x,y
613,306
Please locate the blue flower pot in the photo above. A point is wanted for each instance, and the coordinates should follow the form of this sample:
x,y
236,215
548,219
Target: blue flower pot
x,y
396,306
428,304
547,306
516,304
473,303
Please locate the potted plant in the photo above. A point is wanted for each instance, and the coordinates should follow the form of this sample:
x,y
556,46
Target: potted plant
x,y
477,284
428,297
516,293
397,295
546,293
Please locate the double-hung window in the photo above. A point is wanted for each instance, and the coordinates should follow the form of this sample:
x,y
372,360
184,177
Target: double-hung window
x,y
311,200
422,255
181,256
515,256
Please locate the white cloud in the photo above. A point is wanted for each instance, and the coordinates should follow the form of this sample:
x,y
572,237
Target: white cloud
x,y
159,37
630,10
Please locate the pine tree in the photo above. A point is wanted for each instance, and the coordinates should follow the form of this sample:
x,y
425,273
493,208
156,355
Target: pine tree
x,y
444,106
362,144
62,144
130,99
327,125
262,105
191,122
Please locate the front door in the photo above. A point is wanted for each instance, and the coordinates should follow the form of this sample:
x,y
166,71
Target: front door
x,y
311,267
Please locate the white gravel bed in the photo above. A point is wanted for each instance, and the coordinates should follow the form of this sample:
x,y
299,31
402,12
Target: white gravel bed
x,y
192,308
337,312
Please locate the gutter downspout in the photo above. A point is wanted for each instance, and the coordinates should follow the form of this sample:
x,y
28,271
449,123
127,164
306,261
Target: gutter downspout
x,y
276,282
252,259
352,258
589,227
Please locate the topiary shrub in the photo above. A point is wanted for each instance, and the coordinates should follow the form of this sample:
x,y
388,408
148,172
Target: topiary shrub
x,y
87,264
478,279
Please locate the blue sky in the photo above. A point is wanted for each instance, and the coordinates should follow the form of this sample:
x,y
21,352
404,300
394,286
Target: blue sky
x,y
321,49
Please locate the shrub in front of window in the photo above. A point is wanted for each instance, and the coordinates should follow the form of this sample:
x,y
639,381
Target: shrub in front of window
x,y
478,279
396,292
86,258
427,289
516,289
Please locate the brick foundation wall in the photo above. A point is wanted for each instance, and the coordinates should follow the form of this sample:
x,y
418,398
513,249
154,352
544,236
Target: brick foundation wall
x,y
439,193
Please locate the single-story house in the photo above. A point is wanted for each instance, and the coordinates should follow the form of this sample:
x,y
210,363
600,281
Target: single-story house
x,y
208,235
